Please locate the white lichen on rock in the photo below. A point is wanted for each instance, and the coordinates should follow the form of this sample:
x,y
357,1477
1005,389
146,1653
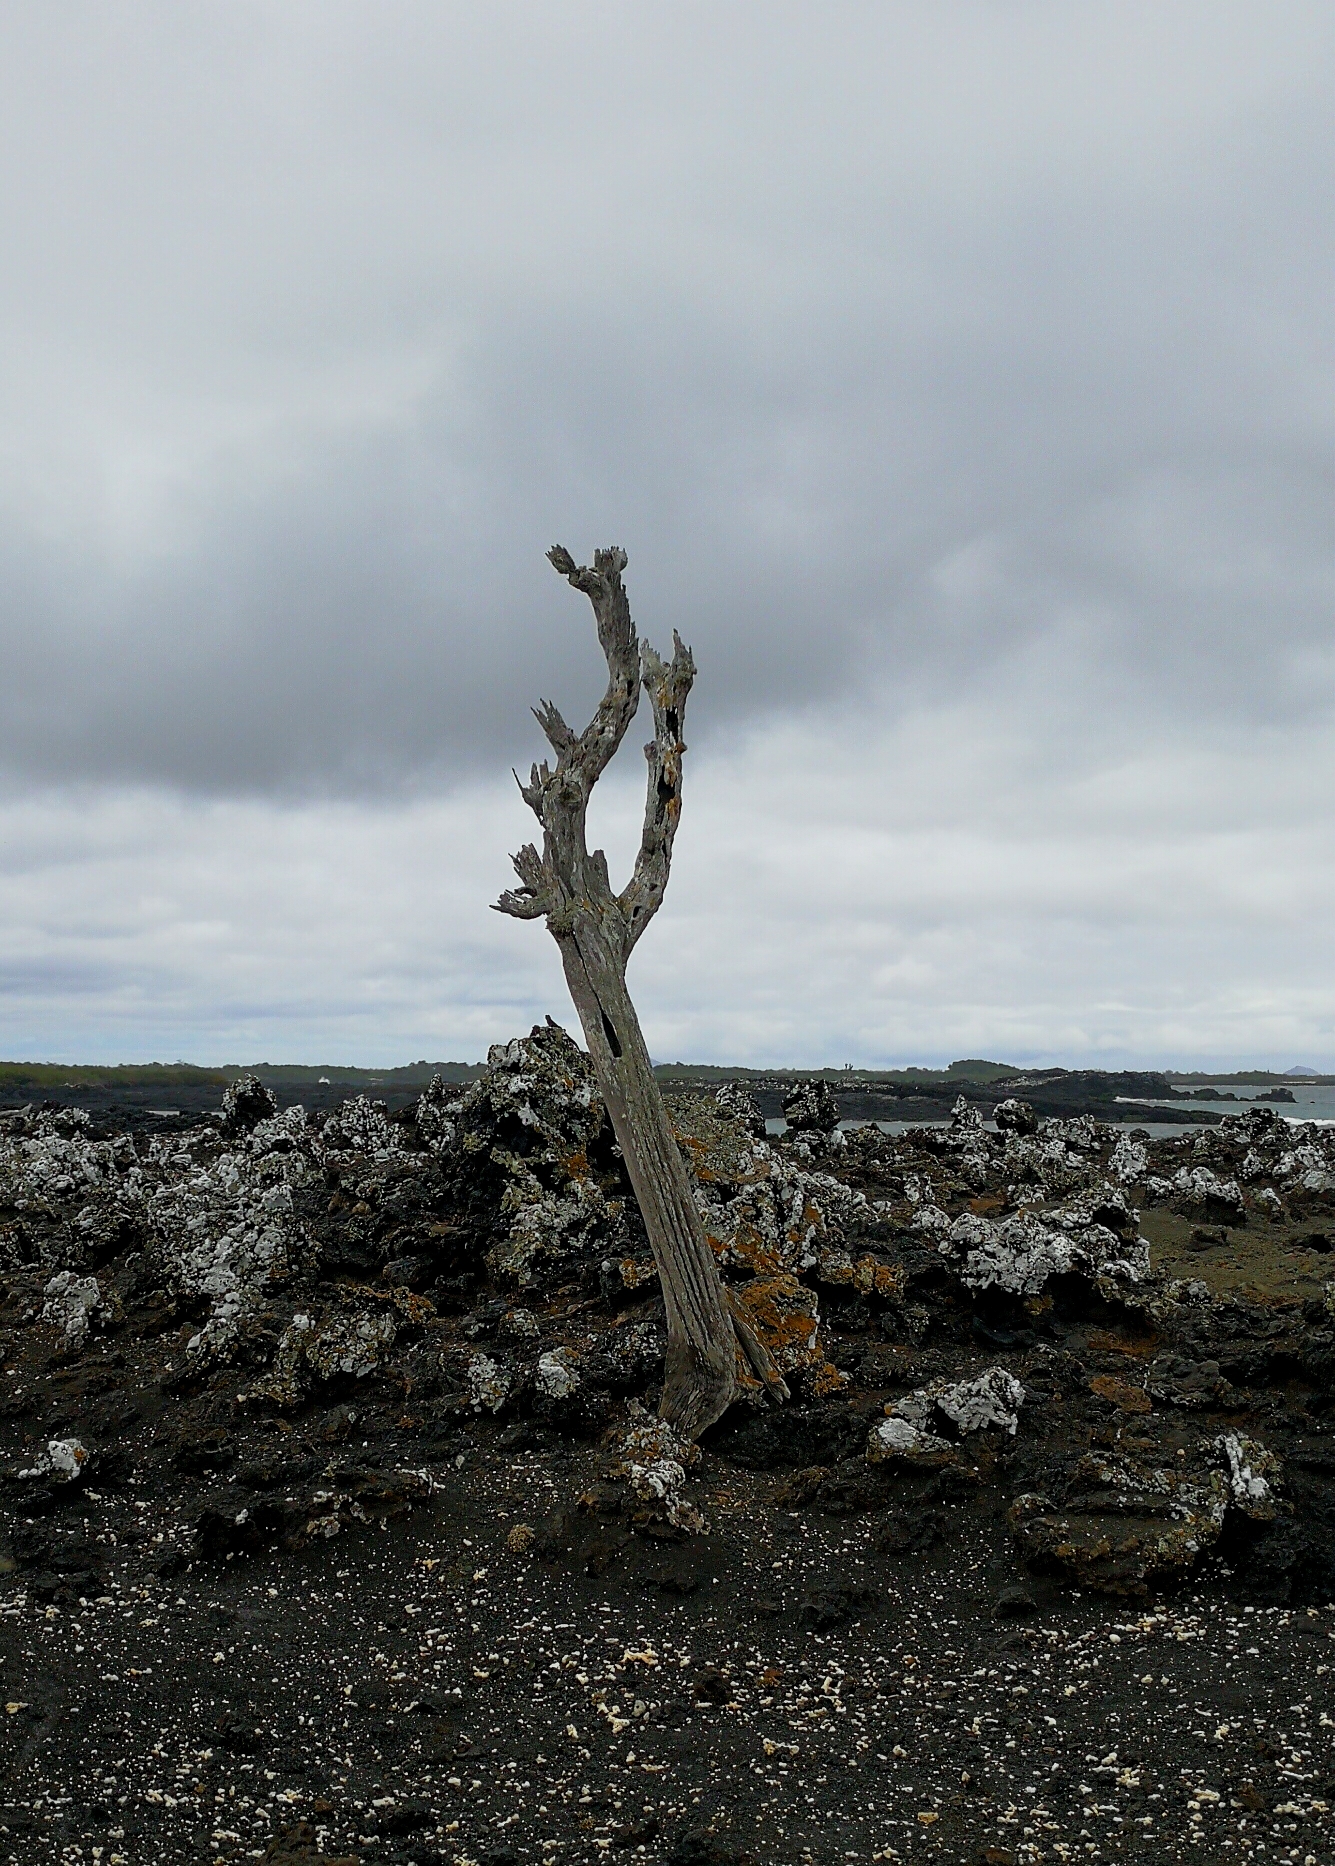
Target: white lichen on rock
x,y
1022,1252
1124,1525
556,1375
53,1174
228,1232
362,1126
653,1460
435,1115
488,1382
912,1424
533,1121
72,1304
898,1437
1200,1189
314,1350
246,1101
1129,1161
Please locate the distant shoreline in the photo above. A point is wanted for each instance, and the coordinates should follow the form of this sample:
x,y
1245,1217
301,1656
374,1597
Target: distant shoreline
x,y
16,1075
161,1095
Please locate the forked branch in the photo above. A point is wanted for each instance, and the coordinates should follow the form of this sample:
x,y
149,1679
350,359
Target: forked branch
x,y
559,796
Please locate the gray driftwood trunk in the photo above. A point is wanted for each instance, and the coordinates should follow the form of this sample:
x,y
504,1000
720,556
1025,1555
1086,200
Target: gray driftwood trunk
x,y
596,931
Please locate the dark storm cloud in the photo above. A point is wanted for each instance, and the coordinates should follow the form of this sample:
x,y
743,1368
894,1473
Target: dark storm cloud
x,y
919,352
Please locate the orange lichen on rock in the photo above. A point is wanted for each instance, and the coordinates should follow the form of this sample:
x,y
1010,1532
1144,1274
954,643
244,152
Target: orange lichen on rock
x,y
1121,1393
866,1274
749,1249
784,1314
415,1310
1138,1347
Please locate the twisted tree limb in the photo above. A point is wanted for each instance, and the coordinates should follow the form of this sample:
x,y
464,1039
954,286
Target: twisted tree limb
x,y
596,931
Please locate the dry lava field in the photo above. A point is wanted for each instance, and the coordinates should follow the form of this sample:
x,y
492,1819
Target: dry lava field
x,y
337,1524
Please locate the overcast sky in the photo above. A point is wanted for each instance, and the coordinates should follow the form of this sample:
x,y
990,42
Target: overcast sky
x,y
960,379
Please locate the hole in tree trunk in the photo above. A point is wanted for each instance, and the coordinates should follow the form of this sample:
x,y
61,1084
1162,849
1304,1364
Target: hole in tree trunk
x,y
613,1041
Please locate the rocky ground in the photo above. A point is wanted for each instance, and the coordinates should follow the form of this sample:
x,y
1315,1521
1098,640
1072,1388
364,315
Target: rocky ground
x,y
338,1525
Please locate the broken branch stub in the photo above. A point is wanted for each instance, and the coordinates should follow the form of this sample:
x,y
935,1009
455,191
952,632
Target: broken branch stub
x,y
596,932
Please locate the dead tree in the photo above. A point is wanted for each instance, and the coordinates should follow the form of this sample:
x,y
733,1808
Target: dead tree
x,y
596,931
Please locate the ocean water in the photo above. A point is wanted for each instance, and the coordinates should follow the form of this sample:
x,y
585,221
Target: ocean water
x,y
1314,1103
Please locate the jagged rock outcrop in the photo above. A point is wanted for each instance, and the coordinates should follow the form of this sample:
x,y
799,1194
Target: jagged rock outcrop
x,y
952,1305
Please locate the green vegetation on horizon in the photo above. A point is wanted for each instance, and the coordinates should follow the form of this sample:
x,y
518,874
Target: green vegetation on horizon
x,y
188,1075
44,1077
115,1075
970,1069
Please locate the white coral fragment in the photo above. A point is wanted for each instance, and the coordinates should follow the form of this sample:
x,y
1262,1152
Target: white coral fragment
x,y
63,1459
1251,1469
994,1398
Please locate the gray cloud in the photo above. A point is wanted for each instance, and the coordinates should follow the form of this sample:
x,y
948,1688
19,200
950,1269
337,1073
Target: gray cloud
x,y
920,353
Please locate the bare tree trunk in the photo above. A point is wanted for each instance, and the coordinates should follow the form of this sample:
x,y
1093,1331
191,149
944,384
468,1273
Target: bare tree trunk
x,y
701,1358
596,932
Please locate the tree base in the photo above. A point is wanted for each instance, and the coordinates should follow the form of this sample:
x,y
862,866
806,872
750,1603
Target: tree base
x,y
696,1395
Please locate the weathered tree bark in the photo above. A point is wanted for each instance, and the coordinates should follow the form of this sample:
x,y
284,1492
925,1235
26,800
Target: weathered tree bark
x,y
596,932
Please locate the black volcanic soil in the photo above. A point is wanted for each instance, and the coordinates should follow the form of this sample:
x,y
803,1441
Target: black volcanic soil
x,y
379,1620
423,1693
